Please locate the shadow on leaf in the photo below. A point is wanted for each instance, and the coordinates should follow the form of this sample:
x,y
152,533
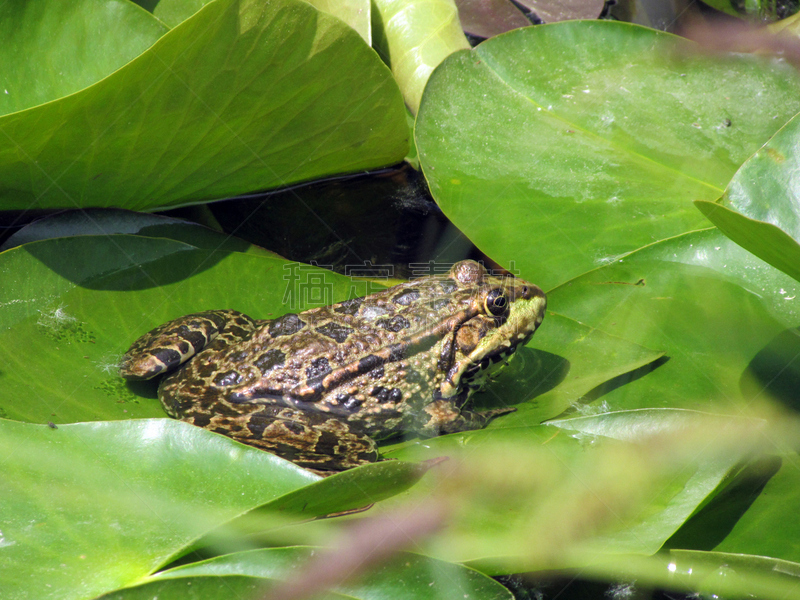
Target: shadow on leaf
x,y
532,373
623,379
775,371
123,265
711,525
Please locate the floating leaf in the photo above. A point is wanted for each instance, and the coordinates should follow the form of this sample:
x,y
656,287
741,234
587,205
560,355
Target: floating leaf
x,y
81,517
408,576
72,306
91,507
723,317
353,12
760,209
241,96
562,147
53,49
581,495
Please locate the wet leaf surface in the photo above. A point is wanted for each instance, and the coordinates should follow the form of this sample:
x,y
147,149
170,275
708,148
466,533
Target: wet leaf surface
x,y
759,209
562,147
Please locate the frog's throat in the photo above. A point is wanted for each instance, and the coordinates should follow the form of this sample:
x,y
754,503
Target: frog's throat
x,y
500,343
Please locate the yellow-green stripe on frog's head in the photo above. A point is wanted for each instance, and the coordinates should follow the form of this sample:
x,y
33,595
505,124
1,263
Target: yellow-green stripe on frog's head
x,y
508,312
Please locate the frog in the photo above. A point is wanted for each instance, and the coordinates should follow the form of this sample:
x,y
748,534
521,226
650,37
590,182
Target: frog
x,y
323,387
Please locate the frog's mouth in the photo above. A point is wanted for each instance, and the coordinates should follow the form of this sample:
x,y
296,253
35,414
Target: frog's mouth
x,y
473,374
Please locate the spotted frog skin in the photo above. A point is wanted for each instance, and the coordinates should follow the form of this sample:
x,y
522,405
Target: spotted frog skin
x,y
320,387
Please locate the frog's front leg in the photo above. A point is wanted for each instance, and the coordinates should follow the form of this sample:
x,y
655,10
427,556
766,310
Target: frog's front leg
x,y
312,440
170,345
444,416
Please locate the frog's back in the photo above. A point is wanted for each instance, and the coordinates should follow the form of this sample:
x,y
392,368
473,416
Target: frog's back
x,y
363,359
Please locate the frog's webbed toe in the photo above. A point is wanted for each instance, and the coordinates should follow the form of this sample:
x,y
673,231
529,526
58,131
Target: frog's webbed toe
x,y
443,416
170,345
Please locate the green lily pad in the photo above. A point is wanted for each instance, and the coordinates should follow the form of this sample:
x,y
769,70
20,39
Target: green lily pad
x,y
563,363
53,49
633,425
74,305
353,12
172,12
754,516
406,576
571,359
356,13
723,573
724,318
616,492
348,490
563,146
81,517
760,208
703,574
241,96
772,511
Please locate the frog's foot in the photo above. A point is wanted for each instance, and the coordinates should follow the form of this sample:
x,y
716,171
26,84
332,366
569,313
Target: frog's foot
x,y
443,416
170,345
313,441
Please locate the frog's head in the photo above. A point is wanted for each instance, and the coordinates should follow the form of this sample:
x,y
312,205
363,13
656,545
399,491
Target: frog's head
x,y
507,313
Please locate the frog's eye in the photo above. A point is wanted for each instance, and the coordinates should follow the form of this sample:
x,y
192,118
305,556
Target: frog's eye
x,y
496,303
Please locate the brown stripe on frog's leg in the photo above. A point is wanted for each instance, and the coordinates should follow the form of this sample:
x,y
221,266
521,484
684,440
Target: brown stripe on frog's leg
x,y
443,416
310,440
168,346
